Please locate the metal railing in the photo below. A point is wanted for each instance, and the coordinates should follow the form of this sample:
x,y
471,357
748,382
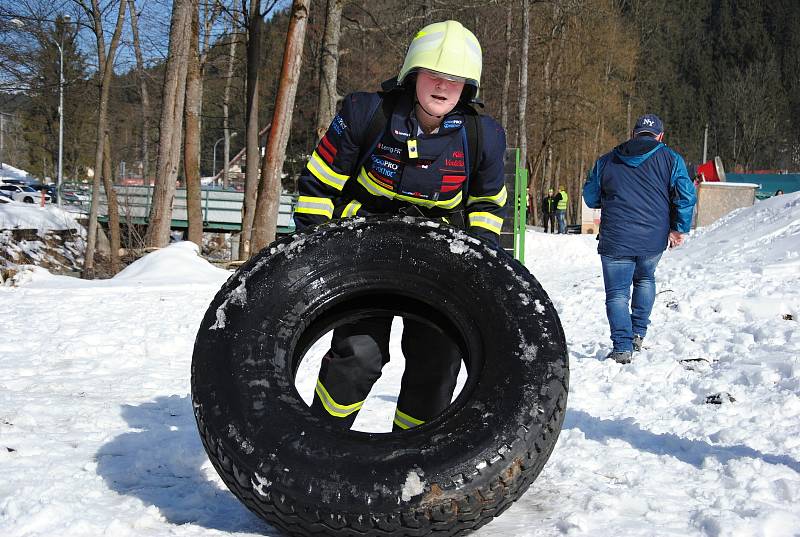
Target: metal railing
x,y
221,209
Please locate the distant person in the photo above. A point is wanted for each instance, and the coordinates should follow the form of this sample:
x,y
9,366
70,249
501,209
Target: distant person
x,y
549,203
561,209
647,199
779,192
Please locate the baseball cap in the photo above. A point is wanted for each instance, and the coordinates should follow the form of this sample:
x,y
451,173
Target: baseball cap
x,y
648,123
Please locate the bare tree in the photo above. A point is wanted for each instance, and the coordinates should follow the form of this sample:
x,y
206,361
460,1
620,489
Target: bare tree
x,y
523,86
226,127
195,75
269,190
170,131
191,149
507,71
254,24
144,94
751,124
113,206
105,68
329,66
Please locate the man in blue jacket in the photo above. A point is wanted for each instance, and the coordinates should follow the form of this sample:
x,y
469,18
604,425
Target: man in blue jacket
x,y
647,199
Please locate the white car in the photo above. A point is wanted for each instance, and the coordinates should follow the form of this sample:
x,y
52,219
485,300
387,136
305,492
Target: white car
x,y
23,193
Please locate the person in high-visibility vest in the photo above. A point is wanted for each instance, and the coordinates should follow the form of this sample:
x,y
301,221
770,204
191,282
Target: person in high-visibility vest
x,y
419,162
561,209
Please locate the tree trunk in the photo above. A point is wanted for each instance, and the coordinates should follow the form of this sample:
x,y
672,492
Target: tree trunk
x,y
507,75
269,190
170,127
629,130
523,84
191,148
113,206
253,151
144,94
329,66
105,70
534,188
225,101
547,128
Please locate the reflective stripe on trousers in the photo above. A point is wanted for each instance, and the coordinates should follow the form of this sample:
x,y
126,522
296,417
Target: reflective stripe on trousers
x,y
358,352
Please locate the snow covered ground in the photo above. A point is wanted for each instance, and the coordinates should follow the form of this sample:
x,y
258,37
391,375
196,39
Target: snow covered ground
x,y
18,215
97,435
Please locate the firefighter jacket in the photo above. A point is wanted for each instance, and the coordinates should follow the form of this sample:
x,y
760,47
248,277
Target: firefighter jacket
x,y
549,204
405,171
644,191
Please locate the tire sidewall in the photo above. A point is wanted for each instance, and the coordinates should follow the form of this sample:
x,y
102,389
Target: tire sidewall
x,y
244,373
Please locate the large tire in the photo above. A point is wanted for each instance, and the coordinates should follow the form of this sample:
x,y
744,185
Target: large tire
x,y
447,476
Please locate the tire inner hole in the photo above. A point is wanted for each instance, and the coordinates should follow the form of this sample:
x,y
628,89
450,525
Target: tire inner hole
x,y
378,410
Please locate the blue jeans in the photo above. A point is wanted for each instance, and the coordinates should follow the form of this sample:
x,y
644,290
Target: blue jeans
x,y
562,221
627,317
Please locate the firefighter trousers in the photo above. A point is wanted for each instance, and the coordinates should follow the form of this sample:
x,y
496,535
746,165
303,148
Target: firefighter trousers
x,y
360,349
549,219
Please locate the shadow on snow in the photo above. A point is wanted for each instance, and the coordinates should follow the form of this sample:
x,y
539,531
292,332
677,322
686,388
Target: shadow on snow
x,y
163,464
689,451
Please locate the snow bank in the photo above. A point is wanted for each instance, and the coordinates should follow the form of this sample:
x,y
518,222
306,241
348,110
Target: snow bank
x,y
177,264
762,237
16,215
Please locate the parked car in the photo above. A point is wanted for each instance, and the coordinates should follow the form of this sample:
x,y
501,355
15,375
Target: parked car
x,y
49,189
72,196
23,193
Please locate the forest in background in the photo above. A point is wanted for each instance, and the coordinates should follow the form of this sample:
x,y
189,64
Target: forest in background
x,y
592,67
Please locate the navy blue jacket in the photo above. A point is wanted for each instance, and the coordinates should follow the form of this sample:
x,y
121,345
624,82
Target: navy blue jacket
x,y
644,191
434,182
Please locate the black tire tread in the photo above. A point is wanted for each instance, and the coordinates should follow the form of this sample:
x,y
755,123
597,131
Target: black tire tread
x,y
451,518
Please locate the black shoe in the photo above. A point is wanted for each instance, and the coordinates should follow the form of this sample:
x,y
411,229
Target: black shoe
x,y
621,357
637,342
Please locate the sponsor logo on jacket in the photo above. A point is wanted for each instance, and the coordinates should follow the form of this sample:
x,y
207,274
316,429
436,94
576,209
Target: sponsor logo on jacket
x,y
385,167
390,149
338,124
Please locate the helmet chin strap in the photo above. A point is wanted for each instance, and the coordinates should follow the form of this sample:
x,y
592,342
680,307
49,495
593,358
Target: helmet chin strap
x,y
423,109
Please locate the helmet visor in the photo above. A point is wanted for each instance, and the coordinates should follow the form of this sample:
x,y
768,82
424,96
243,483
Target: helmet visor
x,y
443,76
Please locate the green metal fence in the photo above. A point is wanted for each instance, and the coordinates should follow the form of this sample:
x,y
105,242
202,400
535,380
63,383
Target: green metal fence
x,y
221,209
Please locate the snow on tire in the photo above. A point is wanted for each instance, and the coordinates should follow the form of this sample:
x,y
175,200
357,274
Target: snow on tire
x,y
450,475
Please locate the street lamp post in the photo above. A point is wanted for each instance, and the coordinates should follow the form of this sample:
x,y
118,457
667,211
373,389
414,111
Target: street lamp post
x,y
66,19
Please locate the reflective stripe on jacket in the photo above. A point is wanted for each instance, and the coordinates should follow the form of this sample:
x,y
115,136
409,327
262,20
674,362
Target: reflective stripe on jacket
x,y
437,182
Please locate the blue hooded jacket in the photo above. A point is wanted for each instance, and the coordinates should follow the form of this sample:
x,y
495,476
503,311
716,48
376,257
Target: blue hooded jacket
x,y
644,191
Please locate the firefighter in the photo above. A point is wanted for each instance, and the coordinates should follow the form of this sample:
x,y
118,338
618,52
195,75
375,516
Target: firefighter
x,y
419,163
549,210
